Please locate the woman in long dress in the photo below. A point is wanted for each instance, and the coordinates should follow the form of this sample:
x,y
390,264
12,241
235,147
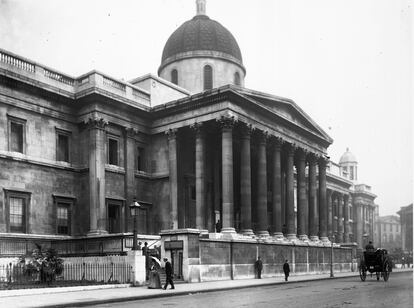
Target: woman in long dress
x,y
154,277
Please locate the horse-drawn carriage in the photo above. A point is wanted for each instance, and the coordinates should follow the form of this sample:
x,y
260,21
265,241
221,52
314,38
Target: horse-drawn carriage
x,y
375,261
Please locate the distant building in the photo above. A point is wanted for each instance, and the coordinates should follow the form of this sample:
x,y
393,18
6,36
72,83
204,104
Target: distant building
x,y
406,219
389,232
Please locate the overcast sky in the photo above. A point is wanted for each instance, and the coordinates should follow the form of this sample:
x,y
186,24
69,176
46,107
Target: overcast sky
x,y
347,64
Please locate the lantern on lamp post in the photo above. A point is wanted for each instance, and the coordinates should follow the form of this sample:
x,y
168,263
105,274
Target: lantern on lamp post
x,y
134,208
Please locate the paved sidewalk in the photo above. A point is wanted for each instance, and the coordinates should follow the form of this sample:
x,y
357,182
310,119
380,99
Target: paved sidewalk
x,y
83,296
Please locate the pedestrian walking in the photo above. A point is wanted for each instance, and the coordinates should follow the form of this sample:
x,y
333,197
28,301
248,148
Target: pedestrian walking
x,y
258,266
286,269
168,274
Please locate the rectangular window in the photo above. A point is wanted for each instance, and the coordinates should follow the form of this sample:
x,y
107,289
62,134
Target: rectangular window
x,y
16,134
63,218
17,214
112,151
141,159
62,146
16,206
63,212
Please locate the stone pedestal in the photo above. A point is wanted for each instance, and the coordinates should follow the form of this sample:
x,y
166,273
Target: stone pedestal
x,y
137,261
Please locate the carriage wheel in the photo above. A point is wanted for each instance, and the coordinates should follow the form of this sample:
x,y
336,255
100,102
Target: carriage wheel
x,y
386,272
362,272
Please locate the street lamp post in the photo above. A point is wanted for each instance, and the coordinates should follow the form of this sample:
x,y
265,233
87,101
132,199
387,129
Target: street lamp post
x,y
332,256
134,208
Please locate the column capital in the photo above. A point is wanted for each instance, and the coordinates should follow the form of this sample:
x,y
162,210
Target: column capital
x,y
323,161
277,142
312,158
301,154
171,133
246,130
290,148
131,132
227,121
262,136
198,127
329,192
96,123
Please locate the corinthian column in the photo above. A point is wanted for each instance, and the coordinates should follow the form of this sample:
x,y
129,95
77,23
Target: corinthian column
x,y
97,159
323,206
290,205
301,195
340,218
172,164
246,182
227,124
313,206
200,176
346,219
262,186
277,189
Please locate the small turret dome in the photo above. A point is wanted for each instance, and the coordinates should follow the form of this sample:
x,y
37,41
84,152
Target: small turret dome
x,y
347,157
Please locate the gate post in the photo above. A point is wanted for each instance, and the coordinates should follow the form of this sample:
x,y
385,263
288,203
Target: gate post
x,y
185,241
137,261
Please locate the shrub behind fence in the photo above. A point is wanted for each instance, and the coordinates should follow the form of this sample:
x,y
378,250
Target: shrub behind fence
x,y
84,272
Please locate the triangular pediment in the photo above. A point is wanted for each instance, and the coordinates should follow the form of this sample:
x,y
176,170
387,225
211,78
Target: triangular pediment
x,y
284,108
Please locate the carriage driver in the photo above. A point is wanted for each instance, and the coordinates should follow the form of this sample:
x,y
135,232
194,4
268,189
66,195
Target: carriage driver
x,y
369,247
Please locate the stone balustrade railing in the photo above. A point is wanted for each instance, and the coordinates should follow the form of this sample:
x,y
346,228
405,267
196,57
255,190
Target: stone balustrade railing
x,y
93,79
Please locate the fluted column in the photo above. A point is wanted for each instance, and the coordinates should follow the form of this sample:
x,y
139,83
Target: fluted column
x,y
200,176
246,182
323,198
329,215
346,219
335,215
340,217
97,159
277,189
313,206
262,186
172,164
227,124
290,205
359,225
302,200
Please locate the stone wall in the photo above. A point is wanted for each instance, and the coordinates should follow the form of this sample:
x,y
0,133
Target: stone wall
x,y
221,259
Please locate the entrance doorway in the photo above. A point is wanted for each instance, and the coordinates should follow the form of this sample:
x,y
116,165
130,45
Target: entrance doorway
x,y
177,263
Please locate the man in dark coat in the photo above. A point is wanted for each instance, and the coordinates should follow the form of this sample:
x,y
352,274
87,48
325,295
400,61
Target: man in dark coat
x,y
369,246
286,270
258,266
168,274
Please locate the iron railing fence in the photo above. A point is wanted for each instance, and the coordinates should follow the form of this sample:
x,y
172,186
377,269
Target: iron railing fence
x,y
18,274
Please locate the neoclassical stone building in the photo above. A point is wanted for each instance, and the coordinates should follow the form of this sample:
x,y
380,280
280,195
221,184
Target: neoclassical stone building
x,y
192,145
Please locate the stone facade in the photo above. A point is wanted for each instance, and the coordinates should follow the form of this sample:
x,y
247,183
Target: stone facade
x,y
76,151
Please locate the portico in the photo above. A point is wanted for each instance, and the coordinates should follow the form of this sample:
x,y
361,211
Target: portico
x,y
259,164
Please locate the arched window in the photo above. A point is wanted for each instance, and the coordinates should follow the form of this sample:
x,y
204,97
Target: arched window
x,y
208,77
174,76
237,78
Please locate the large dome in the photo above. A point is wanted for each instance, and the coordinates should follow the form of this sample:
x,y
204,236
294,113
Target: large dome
x,y
201,34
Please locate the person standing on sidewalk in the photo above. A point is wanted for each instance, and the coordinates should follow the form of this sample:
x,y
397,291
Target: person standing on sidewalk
x,y
258,266
168,274
286,270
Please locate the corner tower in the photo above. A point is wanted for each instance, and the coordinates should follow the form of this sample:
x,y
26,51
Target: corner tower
x,y
202,54
349,166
